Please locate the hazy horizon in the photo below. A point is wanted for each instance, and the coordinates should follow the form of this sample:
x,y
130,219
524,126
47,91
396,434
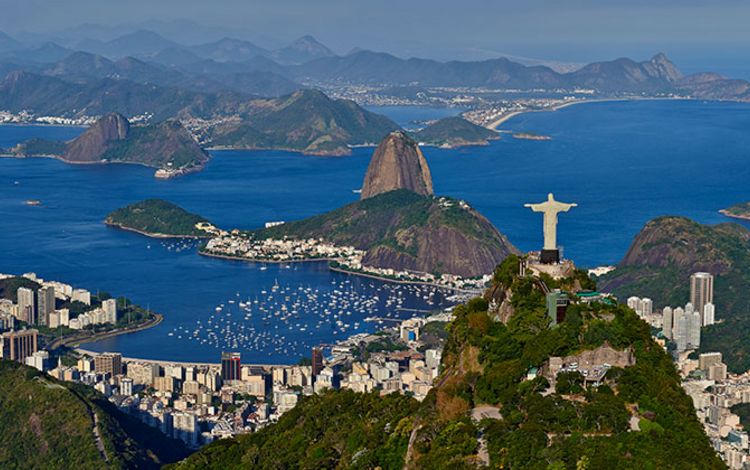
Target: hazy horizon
x,y
696,36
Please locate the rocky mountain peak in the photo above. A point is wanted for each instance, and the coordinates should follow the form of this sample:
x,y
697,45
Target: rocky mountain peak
x,y
397,163
98,138
665,68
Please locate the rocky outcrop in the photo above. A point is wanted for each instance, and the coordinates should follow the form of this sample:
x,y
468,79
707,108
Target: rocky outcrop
x,y
98,139
397,163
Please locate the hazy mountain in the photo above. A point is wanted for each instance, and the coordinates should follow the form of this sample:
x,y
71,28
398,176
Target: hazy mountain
x,y
656,74
48,95
229,50
8,44
302,50
307,121
141,43
712,86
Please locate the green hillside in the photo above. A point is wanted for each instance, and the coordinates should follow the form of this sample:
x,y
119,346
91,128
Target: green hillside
x,y
336,430
157,217
664,255
50,424
485,363
404,230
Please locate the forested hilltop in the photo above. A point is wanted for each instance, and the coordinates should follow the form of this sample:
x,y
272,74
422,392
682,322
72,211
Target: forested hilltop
x,y
496,402
157,218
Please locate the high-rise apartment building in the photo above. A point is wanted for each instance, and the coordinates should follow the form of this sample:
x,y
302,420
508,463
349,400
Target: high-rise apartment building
x,y
701,290
108,363
110,311
45,304
317,361
667,321
26,305
230,366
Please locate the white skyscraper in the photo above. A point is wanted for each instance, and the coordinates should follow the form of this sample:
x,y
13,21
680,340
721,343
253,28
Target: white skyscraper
x,y
709,314
647,306
634,303
26,308
667,322
701,290
110,311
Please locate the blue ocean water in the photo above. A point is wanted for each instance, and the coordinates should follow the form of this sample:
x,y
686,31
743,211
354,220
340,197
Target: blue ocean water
x,y
623,163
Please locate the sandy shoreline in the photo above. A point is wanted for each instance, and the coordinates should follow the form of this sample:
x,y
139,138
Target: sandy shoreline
x,y
734,216
495,124
152,235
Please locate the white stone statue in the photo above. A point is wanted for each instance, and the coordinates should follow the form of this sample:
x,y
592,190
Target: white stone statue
x,y
550,208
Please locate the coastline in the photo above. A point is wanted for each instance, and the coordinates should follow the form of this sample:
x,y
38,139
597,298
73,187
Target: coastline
x,y
397,281
338,270
258,260
76,340
495,124
734,216
180,172
150,234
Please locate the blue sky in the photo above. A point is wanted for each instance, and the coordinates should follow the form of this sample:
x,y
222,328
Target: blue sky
x,y
696,33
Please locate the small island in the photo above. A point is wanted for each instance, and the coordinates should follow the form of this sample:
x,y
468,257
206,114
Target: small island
x,y
738,211
454,132
530,136
159,219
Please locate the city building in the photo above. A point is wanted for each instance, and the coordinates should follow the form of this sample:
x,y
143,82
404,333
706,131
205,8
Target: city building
x,y
45,304
317,361
701,290
18,345
108,363
39,360
109,307
230,366
126,386
26,305
667,322
709,314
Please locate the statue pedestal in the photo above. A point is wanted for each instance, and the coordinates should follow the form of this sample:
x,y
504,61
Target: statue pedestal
x,y
550,256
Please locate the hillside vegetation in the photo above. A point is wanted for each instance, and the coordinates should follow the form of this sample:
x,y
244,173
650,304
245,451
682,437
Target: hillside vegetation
x,y
50,424
157,217
404,230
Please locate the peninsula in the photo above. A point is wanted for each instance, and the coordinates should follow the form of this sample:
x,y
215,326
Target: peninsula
x,y
159,219
166,146
738,211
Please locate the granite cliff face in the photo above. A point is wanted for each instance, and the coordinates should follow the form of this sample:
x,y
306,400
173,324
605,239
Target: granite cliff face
x,y
397,163
100,137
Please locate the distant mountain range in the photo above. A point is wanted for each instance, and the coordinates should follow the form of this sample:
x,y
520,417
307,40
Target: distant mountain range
x,y
213,66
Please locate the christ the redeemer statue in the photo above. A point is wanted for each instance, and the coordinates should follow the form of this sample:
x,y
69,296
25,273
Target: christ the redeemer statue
x,y
550,208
